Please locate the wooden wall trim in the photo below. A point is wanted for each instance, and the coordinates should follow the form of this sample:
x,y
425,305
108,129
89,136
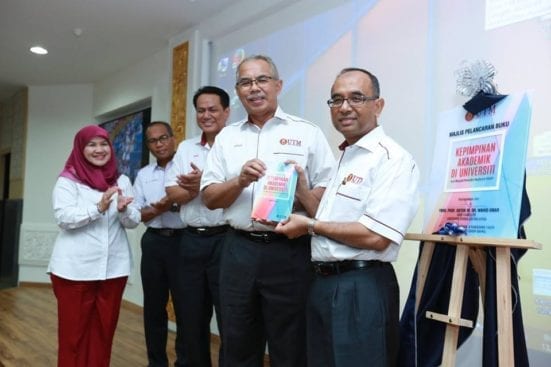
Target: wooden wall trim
x,y
179,90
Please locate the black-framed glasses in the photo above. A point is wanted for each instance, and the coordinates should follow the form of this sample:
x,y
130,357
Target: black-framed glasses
x,y
354,101
261,81
161,139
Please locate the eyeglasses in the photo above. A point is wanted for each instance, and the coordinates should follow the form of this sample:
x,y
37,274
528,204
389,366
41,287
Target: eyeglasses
x,y
161,139
354,101
246,83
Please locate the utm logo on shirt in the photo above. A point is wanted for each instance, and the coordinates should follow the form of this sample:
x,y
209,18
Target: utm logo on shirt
x,y
353,178
293,142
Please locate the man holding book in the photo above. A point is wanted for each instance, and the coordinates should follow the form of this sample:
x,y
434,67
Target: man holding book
x,y
353,304
265,275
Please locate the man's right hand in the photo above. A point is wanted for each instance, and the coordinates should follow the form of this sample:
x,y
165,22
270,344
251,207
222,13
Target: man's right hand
x,y
251,172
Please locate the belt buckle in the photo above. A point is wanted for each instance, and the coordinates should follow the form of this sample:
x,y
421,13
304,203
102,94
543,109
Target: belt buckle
x,y
260,237
201,230
167,232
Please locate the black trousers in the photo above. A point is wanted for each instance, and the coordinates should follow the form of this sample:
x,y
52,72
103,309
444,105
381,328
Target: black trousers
x,y
263,289
159,272
199,273
352,318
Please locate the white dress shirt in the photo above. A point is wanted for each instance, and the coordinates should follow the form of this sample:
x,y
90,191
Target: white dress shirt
x,y
149,187
91,245
376,184
283,137
194,213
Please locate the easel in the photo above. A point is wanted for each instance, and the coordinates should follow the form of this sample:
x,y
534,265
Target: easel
x,y
470,247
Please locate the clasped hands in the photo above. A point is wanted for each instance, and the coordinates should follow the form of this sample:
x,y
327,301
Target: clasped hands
x,y
190,181
107,198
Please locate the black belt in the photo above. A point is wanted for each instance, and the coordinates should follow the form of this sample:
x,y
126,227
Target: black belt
x,y
338,267
166,232
207,231
261,236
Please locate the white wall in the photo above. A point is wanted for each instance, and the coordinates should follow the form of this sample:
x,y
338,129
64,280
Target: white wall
x,y
147,79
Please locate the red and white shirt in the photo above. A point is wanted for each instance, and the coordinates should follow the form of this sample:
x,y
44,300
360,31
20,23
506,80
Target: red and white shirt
x,y
376,184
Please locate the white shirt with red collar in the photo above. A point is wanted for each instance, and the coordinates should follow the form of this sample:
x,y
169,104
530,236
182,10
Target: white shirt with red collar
x,y
375,184
284,137
194,213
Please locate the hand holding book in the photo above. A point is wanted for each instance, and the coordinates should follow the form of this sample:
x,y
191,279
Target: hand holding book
x,y
274,193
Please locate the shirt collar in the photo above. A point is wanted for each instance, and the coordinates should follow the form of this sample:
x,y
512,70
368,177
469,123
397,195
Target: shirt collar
x,y
203,140
281,116
369,141
157,167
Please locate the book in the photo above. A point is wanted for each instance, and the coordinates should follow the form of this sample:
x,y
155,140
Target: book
x,y
274,193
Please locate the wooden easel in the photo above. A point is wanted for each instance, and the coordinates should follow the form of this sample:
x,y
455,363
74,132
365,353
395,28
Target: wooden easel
x,y
471,247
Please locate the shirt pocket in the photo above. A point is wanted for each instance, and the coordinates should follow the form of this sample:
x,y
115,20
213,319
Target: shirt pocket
x,y
296,155
350,201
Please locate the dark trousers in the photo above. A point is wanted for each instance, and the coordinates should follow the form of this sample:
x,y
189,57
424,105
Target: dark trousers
x,y
263,289
198,274
159,271
352,318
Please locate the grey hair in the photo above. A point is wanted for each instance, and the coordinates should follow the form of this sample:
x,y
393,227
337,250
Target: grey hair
x,y
273,67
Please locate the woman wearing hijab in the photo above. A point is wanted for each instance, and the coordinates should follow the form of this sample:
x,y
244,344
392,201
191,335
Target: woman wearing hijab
x,y
91,258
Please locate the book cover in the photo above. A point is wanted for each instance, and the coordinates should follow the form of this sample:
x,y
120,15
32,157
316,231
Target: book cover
x,y
275,193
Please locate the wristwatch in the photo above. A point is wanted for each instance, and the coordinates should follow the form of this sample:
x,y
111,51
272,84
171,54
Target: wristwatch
x,y
311,225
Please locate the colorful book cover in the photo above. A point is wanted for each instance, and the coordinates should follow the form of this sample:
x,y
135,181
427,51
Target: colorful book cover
x,y
478,169
275,193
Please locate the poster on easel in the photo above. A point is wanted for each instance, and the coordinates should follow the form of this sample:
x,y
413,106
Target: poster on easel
x,y
478,167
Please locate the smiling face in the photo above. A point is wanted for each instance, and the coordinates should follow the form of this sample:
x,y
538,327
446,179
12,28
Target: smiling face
x,y
355,122
210,114
259,98
97,151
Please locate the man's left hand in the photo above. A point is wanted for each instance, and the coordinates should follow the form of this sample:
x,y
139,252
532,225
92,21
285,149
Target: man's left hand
x,y
294,226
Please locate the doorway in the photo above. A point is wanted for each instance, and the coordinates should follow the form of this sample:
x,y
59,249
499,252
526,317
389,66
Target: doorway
x,y
10,222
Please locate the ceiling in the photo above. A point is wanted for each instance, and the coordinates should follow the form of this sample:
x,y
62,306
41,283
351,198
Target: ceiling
x,y
115,34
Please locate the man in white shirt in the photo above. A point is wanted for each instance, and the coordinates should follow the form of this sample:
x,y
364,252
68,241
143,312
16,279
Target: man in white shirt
x,y
159,266
353,303
202,239
264,275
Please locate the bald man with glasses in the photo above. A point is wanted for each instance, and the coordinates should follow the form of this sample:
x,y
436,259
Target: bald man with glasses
x,y
353,304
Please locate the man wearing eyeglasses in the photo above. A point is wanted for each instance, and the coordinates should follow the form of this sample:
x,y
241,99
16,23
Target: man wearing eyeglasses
x,y
202,238
353,304
159,246
264,275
